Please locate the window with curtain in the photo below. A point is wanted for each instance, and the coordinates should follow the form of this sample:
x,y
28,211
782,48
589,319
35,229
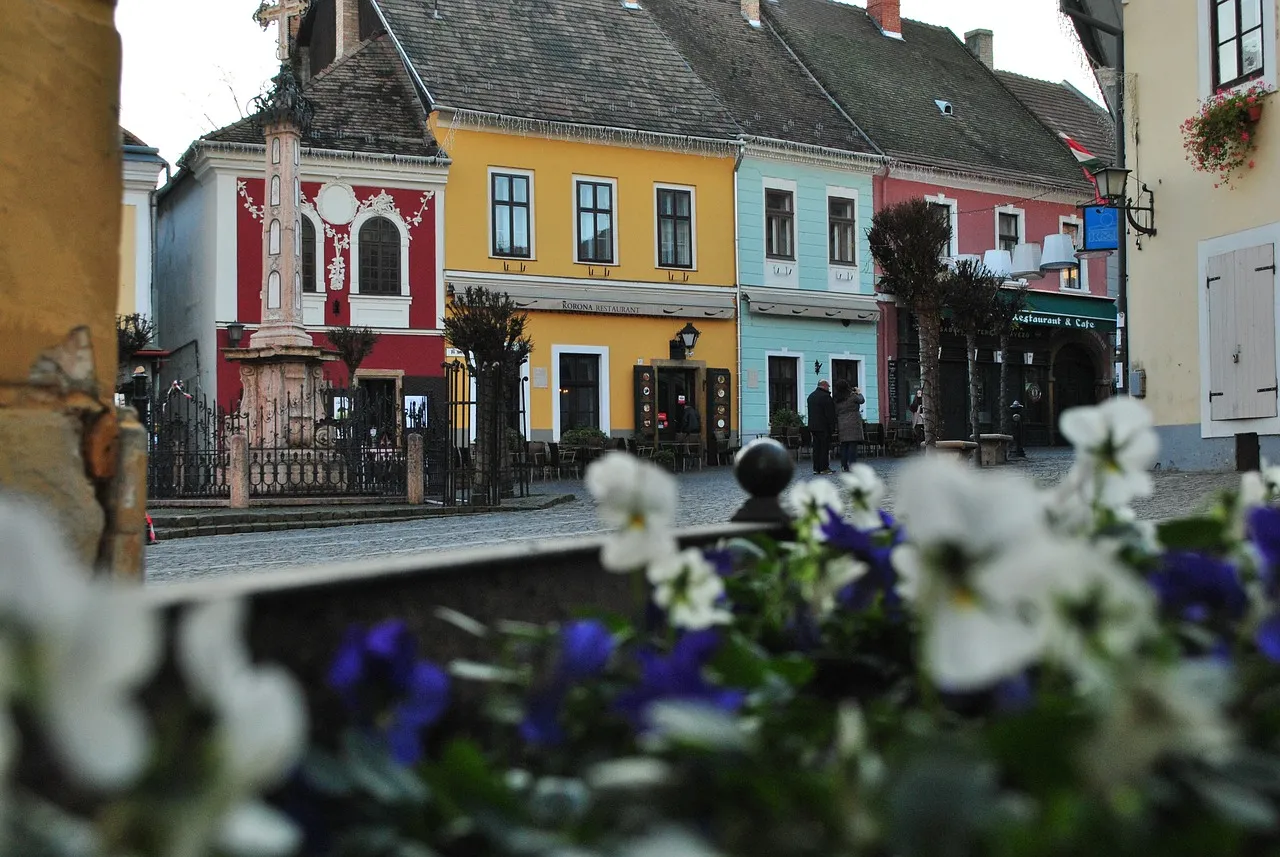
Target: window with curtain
x,y
1010,231
779,224
675,228
842,232
379,257
783,375
1070,278
1237,41
579,391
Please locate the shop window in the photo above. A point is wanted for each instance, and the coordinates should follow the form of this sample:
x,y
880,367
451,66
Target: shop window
x,y
784,384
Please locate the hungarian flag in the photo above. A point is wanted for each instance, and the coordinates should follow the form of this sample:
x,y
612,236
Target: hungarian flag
x,y
1088,162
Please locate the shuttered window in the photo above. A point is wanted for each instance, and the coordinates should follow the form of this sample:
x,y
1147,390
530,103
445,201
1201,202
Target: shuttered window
x,y
1242,334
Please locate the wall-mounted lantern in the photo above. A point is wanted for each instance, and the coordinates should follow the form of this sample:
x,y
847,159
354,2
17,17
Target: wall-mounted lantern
x,y
235,333
1113,187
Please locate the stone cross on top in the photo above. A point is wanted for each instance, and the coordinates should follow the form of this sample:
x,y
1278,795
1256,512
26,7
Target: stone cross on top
x,y
282,13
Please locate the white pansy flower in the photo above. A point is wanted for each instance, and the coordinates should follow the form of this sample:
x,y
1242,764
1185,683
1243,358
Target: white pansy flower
x,y
1177,710
808,500
863,492
1101,611
982,605
89,647
1115,449
687,587
259,733
836,575
639,500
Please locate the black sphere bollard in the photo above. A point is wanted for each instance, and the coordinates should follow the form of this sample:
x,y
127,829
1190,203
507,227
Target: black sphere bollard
x,y
764,469
1018,450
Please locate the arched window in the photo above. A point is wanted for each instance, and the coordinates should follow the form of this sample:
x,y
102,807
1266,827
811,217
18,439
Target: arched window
x,y
275,190
273,239
273,290
308,255
297,290
275,150
379,257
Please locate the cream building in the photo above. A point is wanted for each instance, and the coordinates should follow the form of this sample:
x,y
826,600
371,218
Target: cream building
x,y
142,166
1202,291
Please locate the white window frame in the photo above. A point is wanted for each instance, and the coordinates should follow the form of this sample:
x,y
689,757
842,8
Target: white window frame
x,y
862,374
834,192
1083,267
360,220
995,224
1207,249
573,208
802,403
602,351
954,205
780,272
533,232
693,227
1204,8
314,304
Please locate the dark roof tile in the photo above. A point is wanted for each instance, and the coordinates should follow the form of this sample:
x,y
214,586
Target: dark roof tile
x,y
889,87
1064,108
754,74
364,102
588,62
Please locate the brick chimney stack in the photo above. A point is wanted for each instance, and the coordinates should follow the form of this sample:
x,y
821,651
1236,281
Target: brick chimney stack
x,y
981,43
888,16
751,11
347,29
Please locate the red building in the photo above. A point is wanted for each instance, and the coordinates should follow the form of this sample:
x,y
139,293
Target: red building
x,y
373,195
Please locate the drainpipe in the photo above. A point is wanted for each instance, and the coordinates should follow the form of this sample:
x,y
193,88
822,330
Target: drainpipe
x,y
737,281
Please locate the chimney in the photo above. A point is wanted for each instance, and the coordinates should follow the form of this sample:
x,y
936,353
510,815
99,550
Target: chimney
x,y
751,11
981,43
347,29
888,16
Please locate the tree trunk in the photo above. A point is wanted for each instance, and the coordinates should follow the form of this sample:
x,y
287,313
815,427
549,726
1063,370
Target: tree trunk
x,y
930,323
971,347
1006,426
484,490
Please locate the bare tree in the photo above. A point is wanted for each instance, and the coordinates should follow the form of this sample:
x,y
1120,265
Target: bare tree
x,y
1009,304
908,240
972,292
489,329
353,345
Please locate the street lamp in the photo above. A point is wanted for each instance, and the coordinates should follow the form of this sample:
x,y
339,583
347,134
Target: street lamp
x,y
235,333
688,336
1112,186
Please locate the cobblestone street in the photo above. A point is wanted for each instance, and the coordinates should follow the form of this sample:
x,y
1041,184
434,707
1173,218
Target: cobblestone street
x,y
706,497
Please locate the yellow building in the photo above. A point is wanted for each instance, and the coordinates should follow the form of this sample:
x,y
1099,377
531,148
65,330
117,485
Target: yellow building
x,y
595,185
142,166
1202,310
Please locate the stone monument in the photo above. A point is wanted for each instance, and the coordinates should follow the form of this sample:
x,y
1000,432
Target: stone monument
x,y
282,370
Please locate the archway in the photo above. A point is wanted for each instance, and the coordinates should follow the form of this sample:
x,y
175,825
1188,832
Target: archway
x,y
1074,381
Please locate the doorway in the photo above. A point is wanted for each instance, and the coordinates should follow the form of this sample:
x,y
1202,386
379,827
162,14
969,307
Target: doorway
x,y
1074,382
676,386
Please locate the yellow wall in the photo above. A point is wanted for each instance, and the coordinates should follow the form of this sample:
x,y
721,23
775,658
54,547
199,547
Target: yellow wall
x,y
629,340
127,303
1164,292
554,163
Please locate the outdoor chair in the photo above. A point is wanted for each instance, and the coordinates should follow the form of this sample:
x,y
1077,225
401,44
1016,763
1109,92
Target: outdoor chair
x,y
539,459
569,464
873,439
691,453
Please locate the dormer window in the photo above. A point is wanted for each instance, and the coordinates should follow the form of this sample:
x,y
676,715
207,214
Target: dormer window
x,y
944,107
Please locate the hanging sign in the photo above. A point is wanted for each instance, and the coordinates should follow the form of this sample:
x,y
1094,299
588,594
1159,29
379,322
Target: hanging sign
x,y
1101,228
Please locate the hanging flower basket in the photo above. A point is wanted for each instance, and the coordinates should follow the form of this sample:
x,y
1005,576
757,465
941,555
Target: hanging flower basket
x,y
1219,138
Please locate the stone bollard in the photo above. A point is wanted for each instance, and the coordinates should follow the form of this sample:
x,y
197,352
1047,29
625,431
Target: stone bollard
x,y
238,472
413,463
764,468
126,502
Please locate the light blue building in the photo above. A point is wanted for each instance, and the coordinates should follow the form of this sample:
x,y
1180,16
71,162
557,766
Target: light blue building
x,y
808,310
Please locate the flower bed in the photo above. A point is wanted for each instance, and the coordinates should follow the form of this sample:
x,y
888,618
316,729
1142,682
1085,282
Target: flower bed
x,y
1219,138
995,669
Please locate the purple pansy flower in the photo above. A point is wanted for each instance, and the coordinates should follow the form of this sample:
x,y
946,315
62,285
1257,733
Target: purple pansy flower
x,y
678,676
585,648
1196,587
880,579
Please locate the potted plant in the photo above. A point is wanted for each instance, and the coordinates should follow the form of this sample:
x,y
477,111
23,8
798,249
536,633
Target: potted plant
x,y
582,438
785,421
1219,138
665,458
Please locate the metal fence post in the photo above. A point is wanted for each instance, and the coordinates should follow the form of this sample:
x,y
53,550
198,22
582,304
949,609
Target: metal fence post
x,y
413,471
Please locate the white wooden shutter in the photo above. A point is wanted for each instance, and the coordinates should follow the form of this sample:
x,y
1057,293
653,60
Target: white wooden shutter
x,y
1242,334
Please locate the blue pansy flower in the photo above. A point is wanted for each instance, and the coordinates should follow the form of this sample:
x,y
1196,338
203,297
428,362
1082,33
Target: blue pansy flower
x,y
678,676
586,646
386,687
1197,587
880,579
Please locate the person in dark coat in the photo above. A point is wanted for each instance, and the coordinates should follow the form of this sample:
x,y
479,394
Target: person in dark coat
x,y
822,424
849,401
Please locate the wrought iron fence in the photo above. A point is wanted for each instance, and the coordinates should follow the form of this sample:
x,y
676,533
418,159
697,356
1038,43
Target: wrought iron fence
x,y
187,453
483,466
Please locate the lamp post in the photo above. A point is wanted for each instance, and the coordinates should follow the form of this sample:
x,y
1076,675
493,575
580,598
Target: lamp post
x,y
688,336
1018,451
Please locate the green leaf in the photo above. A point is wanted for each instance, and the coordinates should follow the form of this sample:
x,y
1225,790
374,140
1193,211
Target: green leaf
x,y
796,669
740,663
326,774
1199,533
372,769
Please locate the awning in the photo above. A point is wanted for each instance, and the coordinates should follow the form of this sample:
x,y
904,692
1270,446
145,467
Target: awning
x,y
1073,312
607,298
803,303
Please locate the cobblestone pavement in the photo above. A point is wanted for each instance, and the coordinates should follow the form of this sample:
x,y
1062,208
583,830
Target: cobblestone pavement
x,y
706,497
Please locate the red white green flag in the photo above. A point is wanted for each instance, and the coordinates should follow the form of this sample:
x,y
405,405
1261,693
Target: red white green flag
x,y
1088,162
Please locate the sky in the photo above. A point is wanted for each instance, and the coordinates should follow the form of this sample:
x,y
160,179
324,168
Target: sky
x,y
191,66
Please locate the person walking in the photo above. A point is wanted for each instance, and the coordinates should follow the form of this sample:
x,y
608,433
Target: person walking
x,y
822,422
849,401
917,415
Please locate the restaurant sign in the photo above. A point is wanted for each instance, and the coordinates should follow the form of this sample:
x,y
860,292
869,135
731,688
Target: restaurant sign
x,y
1050,319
